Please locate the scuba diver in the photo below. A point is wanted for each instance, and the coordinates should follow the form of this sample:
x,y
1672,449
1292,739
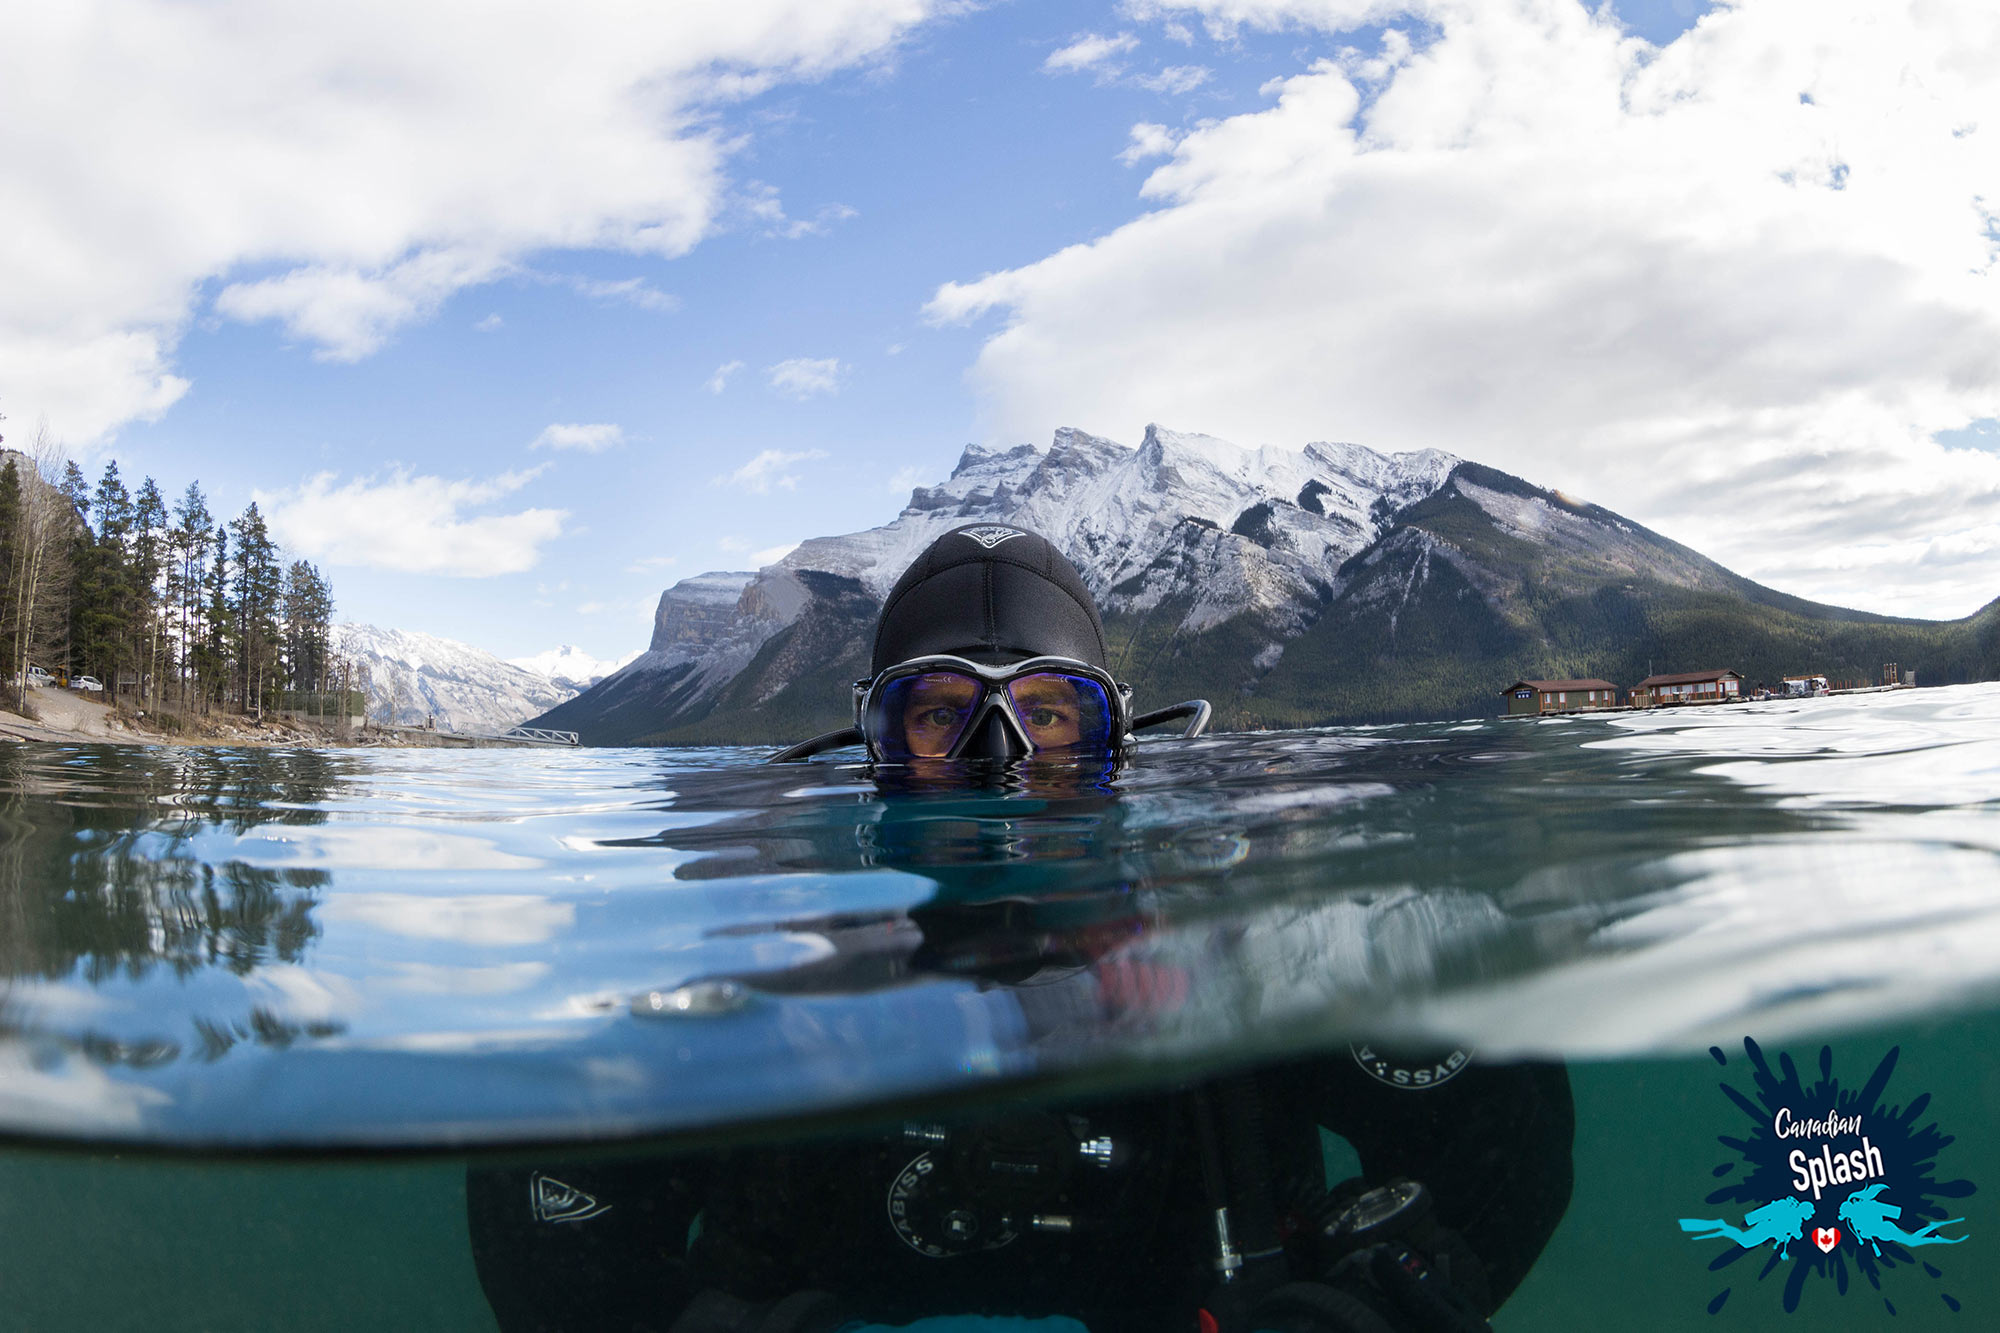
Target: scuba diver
x,y
1202,1209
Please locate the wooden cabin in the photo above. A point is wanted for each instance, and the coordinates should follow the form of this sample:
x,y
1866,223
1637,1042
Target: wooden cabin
x,y
1687,687
1560,696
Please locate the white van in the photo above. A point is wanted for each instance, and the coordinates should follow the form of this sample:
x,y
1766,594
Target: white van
x,y
39,677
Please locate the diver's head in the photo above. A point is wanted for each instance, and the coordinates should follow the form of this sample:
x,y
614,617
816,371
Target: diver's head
x,y
989,646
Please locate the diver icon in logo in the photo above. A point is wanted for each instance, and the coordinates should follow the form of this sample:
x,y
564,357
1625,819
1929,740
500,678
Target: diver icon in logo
x,y
1875,1222
1778,1223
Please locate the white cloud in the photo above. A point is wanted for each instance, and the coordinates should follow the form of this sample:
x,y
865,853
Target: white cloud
x,y
720,379
1148,140
1661,278
651,563
1100,55
909,478
412,524
588,439
350,311
624,291
1173,80
491,324
1088,52
346,169
771,555
766,470
804,376
761,203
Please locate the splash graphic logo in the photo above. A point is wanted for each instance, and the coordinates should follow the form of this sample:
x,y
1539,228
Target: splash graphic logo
x,y
1835,1181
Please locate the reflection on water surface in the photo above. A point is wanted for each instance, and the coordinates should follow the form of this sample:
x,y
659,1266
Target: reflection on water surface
x,y
430,947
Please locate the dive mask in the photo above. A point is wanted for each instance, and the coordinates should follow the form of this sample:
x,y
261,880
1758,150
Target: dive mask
x,y
945,707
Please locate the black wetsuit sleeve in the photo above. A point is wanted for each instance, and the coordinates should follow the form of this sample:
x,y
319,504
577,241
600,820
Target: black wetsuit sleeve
x,y
592,1246
1493,1144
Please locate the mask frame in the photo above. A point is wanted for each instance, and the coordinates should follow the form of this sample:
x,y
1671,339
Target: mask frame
x,y
994,696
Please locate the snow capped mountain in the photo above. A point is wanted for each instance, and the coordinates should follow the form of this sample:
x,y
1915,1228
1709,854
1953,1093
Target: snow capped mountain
x,y
570,667
1124,515
1185,526
1288,587
415,676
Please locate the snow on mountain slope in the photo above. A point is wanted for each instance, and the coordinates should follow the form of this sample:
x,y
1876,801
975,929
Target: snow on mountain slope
x,y
415,676
570,667
1212,528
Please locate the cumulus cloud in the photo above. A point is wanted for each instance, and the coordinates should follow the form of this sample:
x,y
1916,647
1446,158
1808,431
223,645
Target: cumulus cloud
x,y
804,376
344,170
769,468
1732,286
1089,51
1148,140
590,439
412,524
720,379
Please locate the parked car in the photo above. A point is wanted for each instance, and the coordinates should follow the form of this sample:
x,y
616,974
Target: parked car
x,y
91,683
39,678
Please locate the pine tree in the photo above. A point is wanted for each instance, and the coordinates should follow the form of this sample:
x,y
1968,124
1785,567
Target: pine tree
x,y
213,660
100,611
308,627
149,542
187,569
259,590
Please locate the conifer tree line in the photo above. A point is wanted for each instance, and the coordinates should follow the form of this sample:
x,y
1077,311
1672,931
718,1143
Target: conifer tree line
x,y
169,606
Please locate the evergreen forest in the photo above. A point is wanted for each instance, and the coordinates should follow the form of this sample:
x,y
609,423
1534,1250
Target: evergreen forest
x,y
174,610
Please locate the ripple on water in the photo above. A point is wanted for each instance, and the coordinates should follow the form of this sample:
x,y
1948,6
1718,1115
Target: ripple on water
x,y
427,946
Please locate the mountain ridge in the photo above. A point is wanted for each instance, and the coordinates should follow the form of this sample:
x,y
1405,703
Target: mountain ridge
x,y
1291,587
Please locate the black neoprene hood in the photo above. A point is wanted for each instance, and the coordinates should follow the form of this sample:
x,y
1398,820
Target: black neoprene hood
x,y
994,593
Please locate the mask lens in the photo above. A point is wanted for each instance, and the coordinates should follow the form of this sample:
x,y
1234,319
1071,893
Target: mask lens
x,y
923,716
1060,711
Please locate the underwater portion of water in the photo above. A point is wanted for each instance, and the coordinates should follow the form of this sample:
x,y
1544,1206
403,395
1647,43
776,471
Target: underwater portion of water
x,y
208,952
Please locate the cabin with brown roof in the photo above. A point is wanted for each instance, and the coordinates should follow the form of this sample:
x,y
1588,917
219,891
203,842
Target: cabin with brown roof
x,y
1560,696
1687,687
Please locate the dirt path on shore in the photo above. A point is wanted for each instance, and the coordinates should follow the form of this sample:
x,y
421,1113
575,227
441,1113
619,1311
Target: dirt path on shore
x,y
71,716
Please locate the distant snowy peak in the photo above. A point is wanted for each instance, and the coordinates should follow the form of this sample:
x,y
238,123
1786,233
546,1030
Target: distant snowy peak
x,y
571,666
415,678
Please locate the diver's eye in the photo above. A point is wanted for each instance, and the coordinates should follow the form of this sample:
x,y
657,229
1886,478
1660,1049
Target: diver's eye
x,y
939,717
1044,717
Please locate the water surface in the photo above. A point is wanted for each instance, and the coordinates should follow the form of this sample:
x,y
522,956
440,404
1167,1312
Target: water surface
x,y
302,949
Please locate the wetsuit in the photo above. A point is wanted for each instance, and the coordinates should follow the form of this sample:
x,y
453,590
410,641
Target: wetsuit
x,y
615,1245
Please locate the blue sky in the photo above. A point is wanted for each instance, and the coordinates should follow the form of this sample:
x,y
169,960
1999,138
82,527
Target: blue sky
x,y
845,222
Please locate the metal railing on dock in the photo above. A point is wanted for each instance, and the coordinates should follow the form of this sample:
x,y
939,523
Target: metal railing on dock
x,y
540,736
